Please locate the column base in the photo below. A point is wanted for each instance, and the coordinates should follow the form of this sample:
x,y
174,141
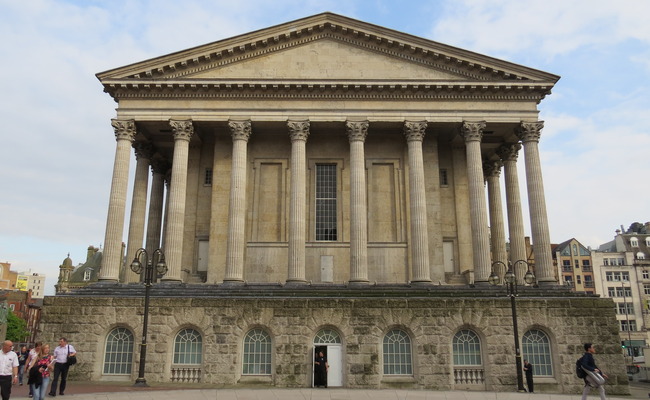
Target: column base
x,y
294,283
233,283
358,283
421,283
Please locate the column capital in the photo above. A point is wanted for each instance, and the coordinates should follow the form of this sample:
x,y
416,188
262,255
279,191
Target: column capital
x,y
124,129
298,130
472,131
509,151
183,130
415,130
159,165
240,130
143,150
492,168
530,131
357,130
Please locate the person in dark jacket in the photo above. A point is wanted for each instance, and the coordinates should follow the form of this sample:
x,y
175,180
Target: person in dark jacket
x,y
528,369
595,377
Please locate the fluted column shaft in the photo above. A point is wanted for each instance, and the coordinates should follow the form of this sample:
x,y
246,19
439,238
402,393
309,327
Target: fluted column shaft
x,y
414,132
357,132
183,131
143,153
473,132
154,221
508,154
240,131
492,172
112,257
298,132
529,133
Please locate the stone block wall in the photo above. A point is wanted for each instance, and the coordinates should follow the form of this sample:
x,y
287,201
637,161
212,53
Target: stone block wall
x,y
362,322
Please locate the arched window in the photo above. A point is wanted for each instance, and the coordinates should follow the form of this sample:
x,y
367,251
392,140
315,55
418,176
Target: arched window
x,y
647,241
257,353
634,242
397,353
537,350
188,347
118,354
640,256
327,336
467,348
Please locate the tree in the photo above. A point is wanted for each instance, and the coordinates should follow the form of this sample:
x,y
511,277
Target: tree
x,y
16,328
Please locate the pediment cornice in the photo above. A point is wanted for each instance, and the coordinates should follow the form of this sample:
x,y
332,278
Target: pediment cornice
x,y
473,72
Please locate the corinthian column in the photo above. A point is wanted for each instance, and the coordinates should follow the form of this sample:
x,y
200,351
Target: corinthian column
x,y
240,131
357,132
143,153
112,258
414,132
492,170
154,222
529,133
508,154
473,132
298,132
183,131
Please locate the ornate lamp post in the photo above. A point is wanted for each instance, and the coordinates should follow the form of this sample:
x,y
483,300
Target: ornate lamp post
x,y
510,282
144,266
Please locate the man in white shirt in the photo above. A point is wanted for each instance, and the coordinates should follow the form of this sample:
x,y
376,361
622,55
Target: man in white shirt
x,y
8,369
61,353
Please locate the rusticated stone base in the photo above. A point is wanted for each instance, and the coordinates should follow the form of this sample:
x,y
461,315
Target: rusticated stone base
x,y
362,316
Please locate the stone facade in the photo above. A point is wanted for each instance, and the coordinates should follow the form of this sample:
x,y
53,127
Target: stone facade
x,y
361,317
323,184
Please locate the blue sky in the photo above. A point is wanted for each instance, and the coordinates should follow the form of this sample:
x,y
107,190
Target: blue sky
x,y
58,145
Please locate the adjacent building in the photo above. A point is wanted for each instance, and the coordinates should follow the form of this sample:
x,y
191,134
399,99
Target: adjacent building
x,y
575,265
319,186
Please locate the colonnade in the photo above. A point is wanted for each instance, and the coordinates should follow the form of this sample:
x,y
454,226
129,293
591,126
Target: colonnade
x,y
298,130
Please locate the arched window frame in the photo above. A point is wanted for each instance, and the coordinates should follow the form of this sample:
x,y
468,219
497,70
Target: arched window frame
x,y
466,346
536,348
634,242
256,357
118,352
397,353
188,347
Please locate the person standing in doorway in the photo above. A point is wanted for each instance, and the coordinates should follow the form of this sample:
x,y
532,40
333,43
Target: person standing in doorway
x,y
320,370
61,353
528,369
595,377
8,369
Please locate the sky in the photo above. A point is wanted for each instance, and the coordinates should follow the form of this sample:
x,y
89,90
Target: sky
x,y
57,144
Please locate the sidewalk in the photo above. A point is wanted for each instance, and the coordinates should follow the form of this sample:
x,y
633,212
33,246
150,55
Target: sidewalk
x,y
125,391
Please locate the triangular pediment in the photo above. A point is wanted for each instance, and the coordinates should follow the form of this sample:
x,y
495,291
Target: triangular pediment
x,y
325,59
327,46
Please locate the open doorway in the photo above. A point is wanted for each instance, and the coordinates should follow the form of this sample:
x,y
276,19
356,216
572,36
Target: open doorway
x,y
327,342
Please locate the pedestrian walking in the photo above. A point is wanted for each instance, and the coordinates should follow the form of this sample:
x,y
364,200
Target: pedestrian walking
x,y
8,369
61,354
595,378
22,359
39,372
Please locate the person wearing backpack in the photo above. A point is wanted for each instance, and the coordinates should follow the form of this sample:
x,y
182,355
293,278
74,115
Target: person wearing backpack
x,y
595,378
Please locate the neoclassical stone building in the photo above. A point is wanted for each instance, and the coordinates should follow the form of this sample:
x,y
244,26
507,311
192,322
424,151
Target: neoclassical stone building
x,y
320,185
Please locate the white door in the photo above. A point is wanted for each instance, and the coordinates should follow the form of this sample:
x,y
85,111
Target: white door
x,y
335,373
204,246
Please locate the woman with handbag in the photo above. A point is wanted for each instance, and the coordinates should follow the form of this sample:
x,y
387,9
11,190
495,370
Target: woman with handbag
x,y
40,369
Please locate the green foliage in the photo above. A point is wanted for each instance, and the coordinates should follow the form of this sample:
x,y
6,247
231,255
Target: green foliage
x,y
16,328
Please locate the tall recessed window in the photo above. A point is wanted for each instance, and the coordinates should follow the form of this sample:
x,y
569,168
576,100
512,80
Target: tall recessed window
x,y
257,353
466,348
444,179
397,353
326,191
118,354
207,177
537,350
188,347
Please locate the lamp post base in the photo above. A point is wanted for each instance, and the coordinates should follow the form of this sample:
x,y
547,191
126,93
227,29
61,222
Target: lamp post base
x,y
140,382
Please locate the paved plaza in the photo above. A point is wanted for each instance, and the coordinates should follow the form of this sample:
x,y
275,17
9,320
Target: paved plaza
x,y
121,391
